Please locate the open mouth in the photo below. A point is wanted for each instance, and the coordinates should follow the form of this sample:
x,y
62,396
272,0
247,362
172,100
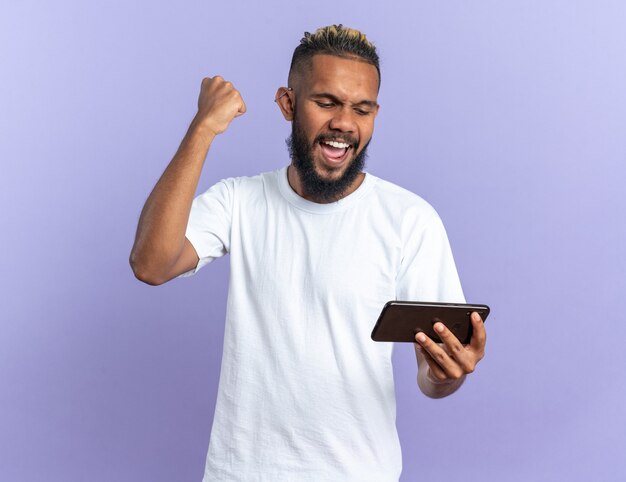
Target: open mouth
x,y
335,152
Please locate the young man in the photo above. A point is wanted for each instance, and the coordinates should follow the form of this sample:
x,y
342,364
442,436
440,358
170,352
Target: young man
x,y
317,248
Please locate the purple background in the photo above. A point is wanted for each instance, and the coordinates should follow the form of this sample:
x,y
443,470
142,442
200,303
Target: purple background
x,y
509,117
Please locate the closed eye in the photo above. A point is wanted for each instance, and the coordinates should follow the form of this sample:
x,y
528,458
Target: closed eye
x,y
325,105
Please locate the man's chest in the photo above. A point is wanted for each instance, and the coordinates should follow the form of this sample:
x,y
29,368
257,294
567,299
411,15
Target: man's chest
x,y
344,256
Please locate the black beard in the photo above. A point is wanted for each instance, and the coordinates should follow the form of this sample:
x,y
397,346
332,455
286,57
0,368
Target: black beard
x,y
315,187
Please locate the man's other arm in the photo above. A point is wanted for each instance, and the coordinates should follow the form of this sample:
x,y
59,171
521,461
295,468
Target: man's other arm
x,y
161,251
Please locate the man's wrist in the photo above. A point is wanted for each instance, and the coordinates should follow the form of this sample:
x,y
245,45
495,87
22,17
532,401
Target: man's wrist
x,y
199,126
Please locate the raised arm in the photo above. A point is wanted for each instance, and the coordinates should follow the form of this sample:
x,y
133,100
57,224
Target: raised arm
x,y
161,251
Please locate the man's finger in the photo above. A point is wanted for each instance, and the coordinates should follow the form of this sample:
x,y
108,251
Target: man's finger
x,y
436,371
479,336
440,356
242,109
463,357
454,346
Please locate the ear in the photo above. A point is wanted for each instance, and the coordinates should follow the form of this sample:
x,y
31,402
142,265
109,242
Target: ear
x,y
285,100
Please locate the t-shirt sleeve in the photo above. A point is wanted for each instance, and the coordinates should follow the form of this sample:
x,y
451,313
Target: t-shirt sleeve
x,y
427,270
209,225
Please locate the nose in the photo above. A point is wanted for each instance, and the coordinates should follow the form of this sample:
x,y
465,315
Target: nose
x,y
343,120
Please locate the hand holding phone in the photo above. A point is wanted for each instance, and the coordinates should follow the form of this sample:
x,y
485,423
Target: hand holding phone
x,y
402,320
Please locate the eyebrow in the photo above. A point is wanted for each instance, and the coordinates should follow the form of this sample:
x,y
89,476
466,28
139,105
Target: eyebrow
x,y
334,98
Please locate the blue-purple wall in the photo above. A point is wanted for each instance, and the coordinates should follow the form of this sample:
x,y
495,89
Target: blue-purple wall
x,y
509,117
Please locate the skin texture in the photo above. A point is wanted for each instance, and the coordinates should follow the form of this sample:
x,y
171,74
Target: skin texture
x,y
336,99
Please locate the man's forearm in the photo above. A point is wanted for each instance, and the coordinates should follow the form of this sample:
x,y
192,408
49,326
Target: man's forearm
x,y
161,229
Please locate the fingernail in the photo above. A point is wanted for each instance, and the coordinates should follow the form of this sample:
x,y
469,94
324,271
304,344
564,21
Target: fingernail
x,y
475,316
438,327
421,337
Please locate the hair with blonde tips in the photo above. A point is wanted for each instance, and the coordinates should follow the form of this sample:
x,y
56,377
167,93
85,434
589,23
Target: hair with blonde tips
x,y
334,40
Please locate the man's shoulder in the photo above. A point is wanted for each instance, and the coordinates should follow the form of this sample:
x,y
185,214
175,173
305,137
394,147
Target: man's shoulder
x,y
400,198
248,183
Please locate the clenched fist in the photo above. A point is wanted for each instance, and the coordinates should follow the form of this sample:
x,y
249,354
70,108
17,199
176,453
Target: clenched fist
x,y
219,103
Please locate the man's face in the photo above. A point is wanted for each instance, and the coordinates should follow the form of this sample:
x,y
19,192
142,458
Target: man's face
x,y
334,111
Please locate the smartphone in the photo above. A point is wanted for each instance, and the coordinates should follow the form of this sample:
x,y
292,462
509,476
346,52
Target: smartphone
x,y
402,320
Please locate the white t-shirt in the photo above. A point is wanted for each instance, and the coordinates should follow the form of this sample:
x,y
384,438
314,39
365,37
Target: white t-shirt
x,y
304,393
